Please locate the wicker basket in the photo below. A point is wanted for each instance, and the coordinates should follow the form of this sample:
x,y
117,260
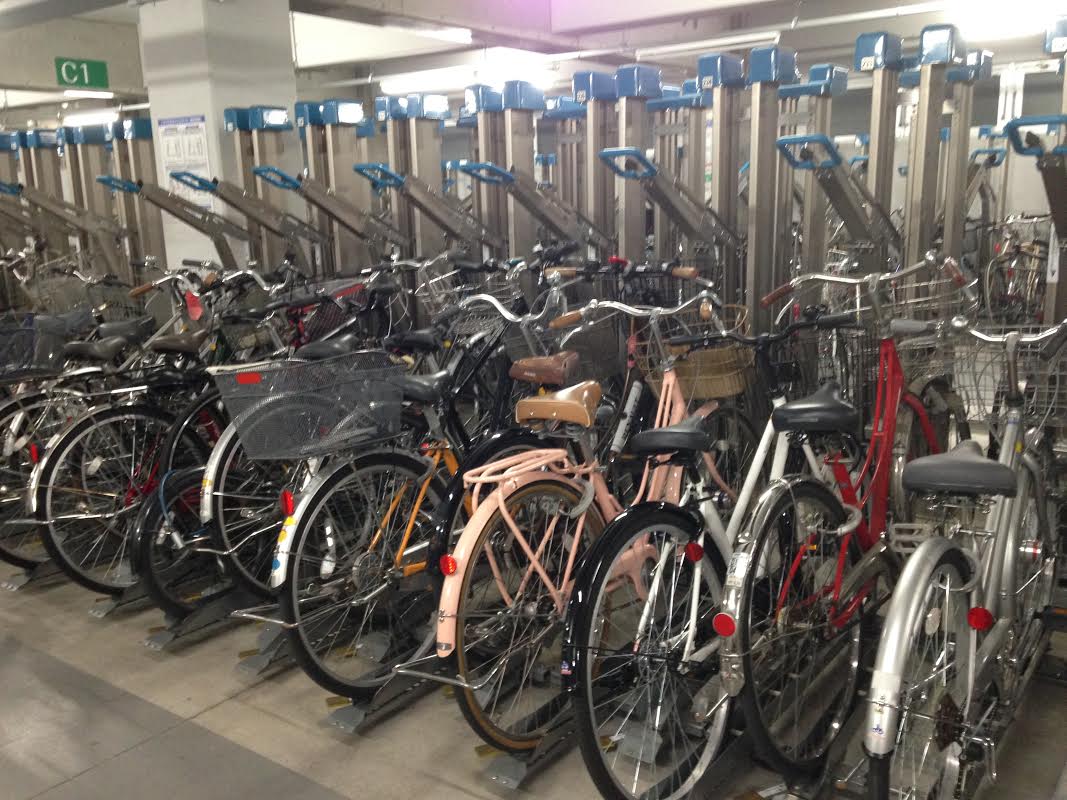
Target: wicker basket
x,y
709,374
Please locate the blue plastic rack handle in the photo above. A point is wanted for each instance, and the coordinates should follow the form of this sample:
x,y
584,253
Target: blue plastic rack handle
x,y
118,184
486,172
12,189
276,177
787,143
193,181
982,153
380,175
613,155
1011,130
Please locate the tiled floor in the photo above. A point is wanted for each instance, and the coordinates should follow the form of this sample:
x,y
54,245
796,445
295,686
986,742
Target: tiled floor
x,y
87,711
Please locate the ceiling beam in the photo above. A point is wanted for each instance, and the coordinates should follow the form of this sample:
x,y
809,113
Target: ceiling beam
x,y
20,13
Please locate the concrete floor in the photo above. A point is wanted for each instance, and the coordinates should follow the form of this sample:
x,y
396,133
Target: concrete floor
x,y
88,712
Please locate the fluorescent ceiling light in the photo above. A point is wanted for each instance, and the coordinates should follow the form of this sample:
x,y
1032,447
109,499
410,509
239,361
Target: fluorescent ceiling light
x,y
319,41
88,94
988,21
102,116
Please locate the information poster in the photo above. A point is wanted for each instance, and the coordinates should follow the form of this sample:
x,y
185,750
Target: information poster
x,y
184,143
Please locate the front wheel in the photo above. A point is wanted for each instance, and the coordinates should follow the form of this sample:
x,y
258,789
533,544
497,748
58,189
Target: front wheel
x,y
800,654
649,706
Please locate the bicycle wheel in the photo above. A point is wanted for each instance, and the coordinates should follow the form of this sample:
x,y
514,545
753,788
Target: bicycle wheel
x,y
923,762
508,625
800,669
27,423
176,576
245,516
354,616
734,444
649,707
90,488
199,424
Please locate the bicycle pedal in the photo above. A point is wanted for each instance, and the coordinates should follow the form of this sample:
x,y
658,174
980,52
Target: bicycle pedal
x,y
338,701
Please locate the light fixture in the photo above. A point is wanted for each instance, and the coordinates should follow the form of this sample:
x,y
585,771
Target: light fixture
x,y
986,21
88,94
102,116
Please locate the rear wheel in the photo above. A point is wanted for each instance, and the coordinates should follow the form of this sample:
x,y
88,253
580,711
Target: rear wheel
x,y
800,663
508,626
650,709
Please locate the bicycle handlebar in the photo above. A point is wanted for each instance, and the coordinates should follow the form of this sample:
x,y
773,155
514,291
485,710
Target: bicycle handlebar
x,y
824,322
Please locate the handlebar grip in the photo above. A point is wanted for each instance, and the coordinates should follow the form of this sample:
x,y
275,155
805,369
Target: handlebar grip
x,y
563,272
784,290
192,262
565,320
689,273
618,262
144,288
841,320
445,317
912,327
210,279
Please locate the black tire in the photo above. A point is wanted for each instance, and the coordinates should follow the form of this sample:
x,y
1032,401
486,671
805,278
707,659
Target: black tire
x,y
587,627
196,428
734,444
112,527
20,541
410,606
489,729
249,563
761,595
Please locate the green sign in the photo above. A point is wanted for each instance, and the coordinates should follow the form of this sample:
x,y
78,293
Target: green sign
x,y
81,73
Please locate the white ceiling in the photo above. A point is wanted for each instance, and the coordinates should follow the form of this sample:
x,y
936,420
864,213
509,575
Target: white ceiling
x,y
320,41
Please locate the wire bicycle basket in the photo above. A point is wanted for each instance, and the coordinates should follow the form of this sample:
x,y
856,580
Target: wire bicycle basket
x,y
301,409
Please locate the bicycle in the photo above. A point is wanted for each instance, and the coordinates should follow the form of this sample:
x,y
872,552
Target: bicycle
x,y
963,633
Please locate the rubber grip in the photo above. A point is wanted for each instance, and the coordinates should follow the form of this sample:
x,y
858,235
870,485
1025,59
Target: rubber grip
x,y
565,320
688,273
841,320
911,327
563,272
784,290
144,288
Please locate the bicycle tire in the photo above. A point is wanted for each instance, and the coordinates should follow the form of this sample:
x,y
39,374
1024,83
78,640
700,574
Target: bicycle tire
x,y
596,739
303,649
753,595
205,411
469,705
45,487
177,579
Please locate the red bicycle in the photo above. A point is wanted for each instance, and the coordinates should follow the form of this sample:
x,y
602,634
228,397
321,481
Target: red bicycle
x,y
813,564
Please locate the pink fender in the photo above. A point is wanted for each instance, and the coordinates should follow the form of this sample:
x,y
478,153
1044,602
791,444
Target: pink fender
x,y
452,589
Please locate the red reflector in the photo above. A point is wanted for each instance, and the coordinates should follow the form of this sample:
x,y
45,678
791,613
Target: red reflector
x,y
448,565
694,552
724,624
248,378
35,454
981,619
287,503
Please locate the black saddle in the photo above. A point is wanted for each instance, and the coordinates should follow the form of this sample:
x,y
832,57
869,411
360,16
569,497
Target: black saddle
x,y
962,470
686,436
423,340
102,350
328,348
134,331
822,412
181,343
426,389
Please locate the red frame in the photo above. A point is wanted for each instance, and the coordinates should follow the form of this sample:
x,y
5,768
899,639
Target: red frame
x,y
875,473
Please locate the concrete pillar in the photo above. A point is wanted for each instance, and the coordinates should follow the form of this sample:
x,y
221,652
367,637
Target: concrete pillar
x,y
200,57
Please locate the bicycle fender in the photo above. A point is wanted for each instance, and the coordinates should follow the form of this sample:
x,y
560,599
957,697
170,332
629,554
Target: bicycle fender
x,y
731,668
211,471
884,697
589,571
452,586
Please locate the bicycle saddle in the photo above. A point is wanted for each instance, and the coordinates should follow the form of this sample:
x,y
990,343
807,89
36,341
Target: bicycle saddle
x,y
181,343
962,470
327,348
685,436
576,404
426,389
102,350
555,370
134,331
423,340
824,411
